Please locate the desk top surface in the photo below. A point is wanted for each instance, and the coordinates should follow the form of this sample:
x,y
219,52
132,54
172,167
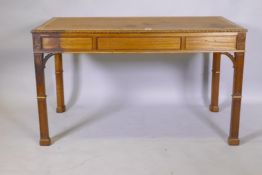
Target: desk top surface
x,y
139,24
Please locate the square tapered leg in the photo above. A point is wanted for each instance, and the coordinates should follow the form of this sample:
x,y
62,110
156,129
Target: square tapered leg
x,y
59,83
41,99
236,99
215,82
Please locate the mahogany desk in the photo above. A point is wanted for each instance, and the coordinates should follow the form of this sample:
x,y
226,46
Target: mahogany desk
x,y
216,35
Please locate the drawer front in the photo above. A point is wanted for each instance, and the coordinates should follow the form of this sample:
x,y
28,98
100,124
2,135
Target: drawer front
x,y
67,44
138,43
211,43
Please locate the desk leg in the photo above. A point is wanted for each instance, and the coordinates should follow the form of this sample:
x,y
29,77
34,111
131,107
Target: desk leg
x,y
59,83
215,82
41,99
236,99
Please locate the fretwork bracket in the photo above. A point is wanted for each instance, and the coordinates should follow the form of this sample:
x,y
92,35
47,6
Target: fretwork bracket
x,y
230,56
46,58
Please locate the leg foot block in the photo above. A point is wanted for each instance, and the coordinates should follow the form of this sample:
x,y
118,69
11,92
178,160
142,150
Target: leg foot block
x,y
60,109
214,108
45,142
233,141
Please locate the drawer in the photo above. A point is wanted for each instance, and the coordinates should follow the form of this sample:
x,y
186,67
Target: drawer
x,y
138,43
67,44
211,43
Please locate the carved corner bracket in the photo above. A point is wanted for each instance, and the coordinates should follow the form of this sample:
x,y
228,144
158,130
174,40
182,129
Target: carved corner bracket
x,y
230,56
46,57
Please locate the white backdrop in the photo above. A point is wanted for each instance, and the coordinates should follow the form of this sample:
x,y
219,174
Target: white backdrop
x,y
97,80
155,78
127,95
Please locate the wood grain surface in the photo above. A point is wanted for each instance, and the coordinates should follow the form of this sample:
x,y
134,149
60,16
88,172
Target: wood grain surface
x,y
139,24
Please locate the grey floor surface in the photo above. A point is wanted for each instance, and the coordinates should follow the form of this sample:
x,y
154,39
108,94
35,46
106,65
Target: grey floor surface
x,y
123,140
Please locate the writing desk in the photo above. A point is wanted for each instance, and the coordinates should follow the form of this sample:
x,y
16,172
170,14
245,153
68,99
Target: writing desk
x,y
216,35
